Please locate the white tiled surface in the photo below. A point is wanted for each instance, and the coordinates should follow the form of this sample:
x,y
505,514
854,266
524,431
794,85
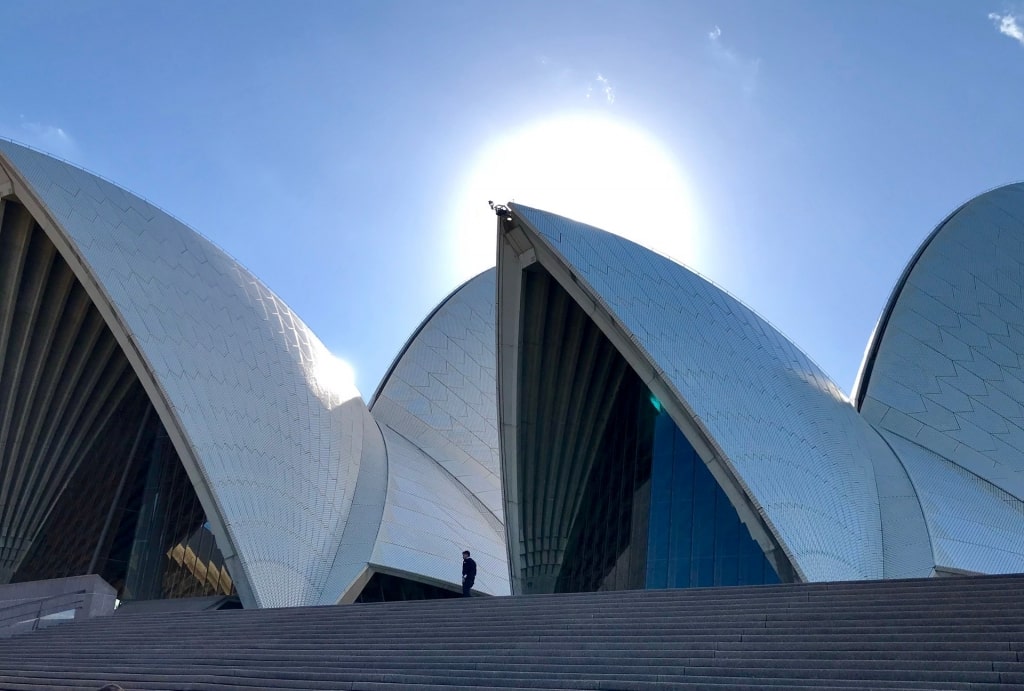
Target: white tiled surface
x,y
907,551
277,433
430,517
437,408
363,521
281,439
811,464
949,375
974,525
441,391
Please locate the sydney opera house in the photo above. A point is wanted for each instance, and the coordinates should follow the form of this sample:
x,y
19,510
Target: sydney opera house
x,y
588,415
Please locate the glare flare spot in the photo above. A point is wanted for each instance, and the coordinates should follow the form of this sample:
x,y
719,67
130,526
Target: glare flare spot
x,y
588,167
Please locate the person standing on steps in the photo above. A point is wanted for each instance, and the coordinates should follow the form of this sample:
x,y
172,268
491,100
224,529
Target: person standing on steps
x,y
468,573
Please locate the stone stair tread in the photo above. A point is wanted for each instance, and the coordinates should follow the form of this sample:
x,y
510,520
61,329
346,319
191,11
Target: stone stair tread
x,y
955,633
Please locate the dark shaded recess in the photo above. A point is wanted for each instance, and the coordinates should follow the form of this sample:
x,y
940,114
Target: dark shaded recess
x,y
70,536
608,545
157,513
383,587
89,481
62,378
569,377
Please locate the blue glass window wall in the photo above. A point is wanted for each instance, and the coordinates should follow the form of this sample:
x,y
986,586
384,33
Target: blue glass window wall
x,y
695,536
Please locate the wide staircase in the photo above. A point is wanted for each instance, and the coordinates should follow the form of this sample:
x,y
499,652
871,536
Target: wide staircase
x,y
950,633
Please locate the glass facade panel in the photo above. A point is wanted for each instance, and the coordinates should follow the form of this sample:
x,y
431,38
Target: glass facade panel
x,y
652,515
696,538
133,518
613,497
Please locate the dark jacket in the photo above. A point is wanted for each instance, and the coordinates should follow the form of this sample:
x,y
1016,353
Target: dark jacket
x,y
468,569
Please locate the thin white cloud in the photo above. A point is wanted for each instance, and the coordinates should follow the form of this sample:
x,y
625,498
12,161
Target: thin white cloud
x,y
597,87
606,88
1008,26
47,133
49,138
600,85
740,68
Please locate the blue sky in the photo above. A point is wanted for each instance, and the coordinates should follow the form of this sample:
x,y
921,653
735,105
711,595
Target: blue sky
x,y
338,149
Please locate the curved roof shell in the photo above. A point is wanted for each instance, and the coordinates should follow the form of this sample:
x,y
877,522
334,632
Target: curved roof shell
x,y
269,433
945,373
429,518
437,410
812,480
440,390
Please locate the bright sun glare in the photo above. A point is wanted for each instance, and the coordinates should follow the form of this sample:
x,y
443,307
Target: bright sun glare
x,y
587,167
333,379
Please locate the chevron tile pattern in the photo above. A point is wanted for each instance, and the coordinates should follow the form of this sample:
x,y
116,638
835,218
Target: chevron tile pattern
x,y
947,380
819,475
272,433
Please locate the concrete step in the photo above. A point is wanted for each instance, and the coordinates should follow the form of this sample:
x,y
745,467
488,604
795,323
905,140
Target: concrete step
x,y
958,633
988,659
233,679
550,664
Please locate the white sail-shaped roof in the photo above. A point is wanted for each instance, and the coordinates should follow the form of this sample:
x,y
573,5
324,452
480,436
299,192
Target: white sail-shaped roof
x,y
309,492
807,474
267,425
944,374
440,390
436,407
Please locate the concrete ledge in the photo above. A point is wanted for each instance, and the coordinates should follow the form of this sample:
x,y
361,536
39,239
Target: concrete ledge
x,y
23,605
